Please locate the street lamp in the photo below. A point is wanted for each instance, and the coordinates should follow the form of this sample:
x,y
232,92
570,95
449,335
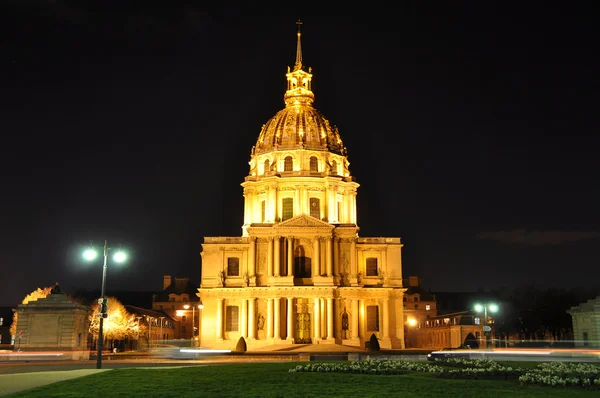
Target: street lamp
x,y
90,254
485,307
187,307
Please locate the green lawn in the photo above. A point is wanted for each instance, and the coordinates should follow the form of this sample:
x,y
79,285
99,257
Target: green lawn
x,y
274,380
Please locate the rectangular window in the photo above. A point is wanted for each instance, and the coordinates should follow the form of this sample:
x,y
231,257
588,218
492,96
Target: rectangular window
x,y
287,208
477,320
371,266
585,339
315,208
263,206
339,209
372,318
427,307
1,321
233,266
231,322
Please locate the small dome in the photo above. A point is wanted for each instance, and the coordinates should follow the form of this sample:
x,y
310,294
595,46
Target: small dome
x,y
299,127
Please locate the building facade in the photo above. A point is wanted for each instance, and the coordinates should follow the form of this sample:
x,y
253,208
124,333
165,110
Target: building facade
x,y
586,323
300,273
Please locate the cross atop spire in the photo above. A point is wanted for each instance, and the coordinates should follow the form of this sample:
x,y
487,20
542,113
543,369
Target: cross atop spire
x,y
298,64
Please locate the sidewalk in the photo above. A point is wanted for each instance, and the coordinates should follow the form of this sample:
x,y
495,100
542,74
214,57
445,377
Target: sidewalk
x,y
12,383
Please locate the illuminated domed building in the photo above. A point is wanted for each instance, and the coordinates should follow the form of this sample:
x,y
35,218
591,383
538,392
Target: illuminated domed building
x,y
300,273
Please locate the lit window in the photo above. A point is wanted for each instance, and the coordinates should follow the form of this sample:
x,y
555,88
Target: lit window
x,y
267,164
288,208
288,164
371,266
233,266
477,320
314,164
334,167
1,321
427,307
315,208
231,322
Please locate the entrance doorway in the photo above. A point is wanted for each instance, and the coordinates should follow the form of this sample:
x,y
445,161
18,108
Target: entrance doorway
x,y
303,328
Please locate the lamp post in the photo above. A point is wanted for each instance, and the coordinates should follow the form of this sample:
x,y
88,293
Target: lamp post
x,y
90,254
485,307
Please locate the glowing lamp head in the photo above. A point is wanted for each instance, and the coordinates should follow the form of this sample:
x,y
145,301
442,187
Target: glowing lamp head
x,y
120,256
493,308
478,307
412,321
187,306
90,254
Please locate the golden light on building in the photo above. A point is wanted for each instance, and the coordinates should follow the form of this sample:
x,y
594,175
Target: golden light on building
x,y
299,272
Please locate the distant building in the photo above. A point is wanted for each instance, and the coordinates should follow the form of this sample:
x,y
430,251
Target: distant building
x,y
179,301
586,323
6,318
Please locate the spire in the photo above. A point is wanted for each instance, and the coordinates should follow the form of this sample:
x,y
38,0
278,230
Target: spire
x,y
298,64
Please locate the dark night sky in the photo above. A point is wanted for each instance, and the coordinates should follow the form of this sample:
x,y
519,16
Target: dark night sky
x,y
470,129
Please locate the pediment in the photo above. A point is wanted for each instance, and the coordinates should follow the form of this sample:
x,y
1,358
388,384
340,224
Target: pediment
x,y
304,220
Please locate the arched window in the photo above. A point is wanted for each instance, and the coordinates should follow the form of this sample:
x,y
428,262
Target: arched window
x,y
314,164
315,208
287,205
334,167
267,166
288,164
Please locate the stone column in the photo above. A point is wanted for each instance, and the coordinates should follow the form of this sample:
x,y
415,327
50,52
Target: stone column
x,y
290,318
270,258
277,318
277,254
269,318
329,318
273,203
220,319
246,208
316,264
244,318
386,318
252,256
251,319
355,315
336,255
328,253
290,255
317,320
353,264
297,204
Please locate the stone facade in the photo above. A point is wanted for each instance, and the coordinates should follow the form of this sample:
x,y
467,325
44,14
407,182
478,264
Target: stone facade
x,y
54,325
586,323
300,273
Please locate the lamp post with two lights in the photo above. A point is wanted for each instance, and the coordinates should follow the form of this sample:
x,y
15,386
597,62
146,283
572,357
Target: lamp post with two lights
x,y
90,254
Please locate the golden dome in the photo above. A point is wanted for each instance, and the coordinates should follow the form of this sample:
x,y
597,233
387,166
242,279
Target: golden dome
x,y
299,125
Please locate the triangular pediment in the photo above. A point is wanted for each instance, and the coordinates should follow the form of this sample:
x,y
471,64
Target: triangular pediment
x,y
304,220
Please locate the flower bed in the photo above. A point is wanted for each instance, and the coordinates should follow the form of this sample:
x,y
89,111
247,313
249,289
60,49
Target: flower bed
x,y
554,374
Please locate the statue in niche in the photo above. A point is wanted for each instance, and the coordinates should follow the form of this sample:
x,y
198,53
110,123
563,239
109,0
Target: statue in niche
x,y
344,262
261,322
345,326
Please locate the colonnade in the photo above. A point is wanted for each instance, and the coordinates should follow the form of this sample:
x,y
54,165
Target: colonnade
x,y
281,262
322,320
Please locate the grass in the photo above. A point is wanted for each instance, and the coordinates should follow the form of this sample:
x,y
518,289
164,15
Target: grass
x,y
274,380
